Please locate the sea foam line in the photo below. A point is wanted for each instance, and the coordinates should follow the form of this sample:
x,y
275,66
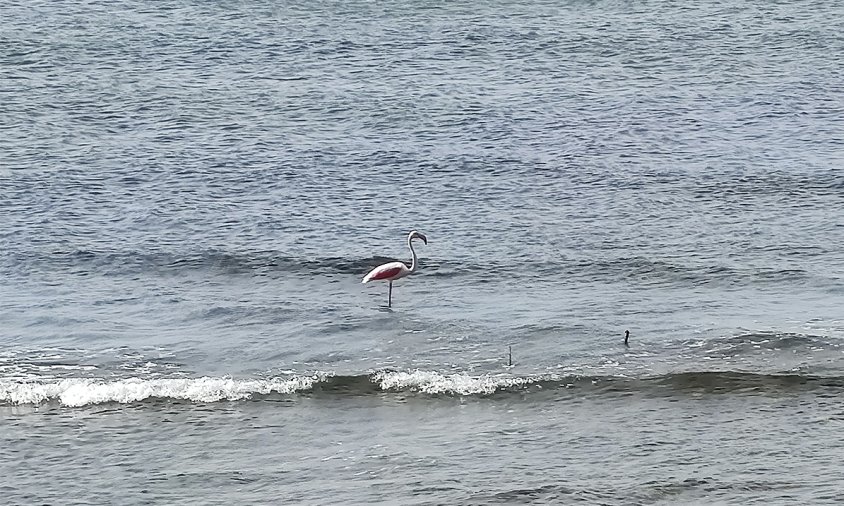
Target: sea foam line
x,y
81,392
430,382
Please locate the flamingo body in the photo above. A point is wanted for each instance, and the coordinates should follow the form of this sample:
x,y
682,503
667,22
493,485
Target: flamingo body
x,y
390,271
395,270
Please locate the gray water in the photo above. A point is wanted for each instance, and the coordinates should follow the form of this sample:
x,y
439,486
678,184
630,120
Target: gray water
x,y
191,193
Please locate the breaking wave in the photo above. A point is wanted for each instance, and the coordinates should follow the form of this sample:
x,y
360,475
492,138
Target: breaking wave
x,y
76,392
82,391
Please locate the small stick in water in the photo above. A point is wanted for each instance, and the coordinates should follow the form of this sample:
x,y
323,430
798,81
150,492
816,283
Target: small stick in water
x,y
510,357
626,337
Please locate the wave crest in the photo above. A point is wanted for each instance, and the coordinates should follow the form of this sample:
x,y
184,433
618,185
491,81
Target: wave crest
x,y
81,392
76,392
429,382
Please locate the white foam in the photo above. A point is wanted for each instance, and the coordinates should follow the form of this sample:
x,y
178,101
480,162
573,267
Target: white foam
x,y
435,383
82,392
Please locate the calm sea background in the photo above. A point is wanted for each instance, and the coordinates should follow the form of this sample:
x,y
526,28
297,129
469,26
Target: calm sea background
x,y
191,192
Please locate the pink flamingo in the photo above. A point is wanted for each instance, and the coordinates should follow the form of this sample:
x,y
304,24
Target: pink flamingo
x,y
395,270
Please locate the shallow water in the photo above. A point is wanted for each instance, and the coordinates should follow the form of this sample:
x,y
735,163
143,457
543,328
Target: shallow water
x,y
191,193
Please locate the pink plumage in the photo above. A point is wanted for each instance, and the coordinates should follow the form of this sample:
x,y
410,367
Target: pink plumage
x,y
387,271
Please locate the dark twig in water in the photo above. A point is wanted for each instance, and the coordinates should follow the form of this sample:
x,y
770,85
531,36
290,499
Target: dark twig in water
x,y
626,337
510,357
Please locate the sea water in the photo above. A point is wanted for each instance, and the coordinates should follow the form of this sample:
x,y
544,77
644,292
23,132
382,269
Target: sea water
x,y
191,193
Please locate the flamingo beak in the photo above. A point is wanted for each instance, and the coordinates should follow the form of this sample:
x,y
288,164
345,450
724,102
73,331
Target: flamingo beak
x,y
424,239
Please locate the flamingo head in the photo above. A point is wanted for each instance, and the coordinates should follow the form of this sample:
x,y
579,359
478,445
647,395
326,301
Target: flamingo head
x,y
417,235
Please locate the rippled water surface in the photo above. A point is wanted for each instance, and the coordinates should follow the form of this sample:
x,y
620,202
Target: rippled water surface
x,y
190,194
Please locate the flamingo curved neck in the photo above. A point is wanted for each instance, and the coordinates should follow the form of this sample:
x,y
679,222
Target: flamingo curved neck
x,y
413,255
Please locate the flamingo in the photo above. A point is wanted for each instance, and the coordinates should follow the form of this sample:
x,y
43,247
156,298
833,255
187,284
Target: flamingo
x,y
395,270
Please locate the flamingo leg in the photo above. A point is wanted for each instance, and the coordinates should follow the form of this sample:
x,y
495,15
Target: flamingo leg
x,y
390,295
